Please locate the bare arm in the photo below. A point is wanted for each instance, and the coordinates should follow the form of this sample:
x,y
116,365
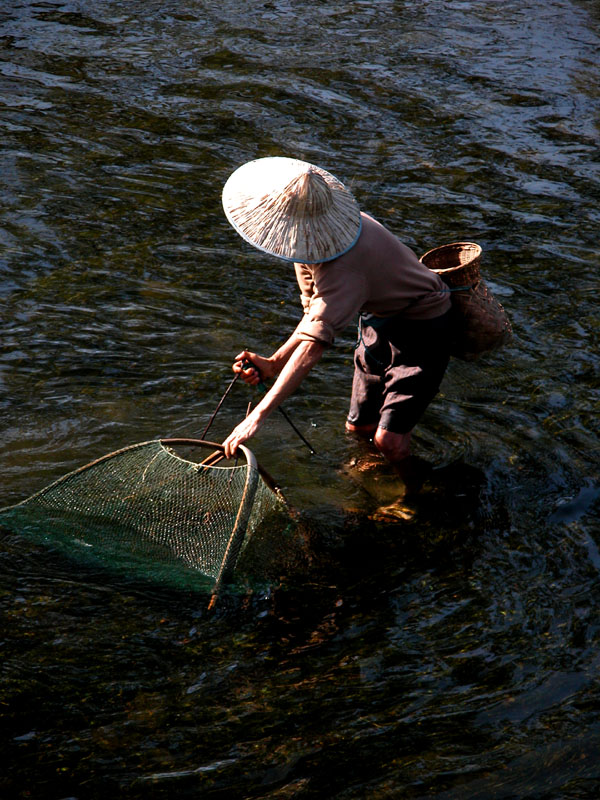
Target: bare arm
x,y
299,360
265,367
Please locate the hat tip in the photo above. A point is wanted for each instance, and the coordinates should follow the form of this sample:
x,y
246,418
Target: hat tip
x,y
309,194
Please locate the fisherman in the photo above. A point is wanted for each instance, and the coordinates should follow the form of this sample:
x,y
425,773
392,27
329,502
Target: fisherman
x,y
346,264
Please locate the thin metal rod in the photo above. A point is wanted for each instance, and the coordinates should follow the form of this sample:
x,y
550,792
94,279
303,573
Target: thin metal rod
x,y
295,429
221,401
247,363
263,389
213,459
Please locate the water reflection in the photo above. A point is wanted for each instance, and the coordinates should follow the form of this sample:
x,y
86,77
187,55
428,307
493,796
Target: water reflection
x,y
451,656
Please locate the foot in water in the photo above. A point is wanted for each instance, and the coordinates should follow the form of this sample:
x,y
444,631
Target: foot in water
x,y
391,486
414,472
396,511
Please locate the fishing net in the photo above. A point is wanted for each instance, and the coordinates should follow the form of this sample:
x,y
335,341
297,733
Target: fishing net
x,y
480,322
148,509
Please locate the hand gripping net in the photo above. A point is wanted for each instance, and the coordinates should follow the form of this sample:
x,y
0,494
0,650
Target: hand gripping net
x,y
147,509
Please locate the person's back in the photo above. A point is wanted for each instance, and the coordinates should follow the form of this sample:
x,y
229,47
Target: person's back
x,y
379,275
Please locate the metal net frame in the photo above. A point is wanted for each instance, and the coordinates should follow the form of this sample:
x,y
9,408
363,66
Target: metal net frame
x,y
147,509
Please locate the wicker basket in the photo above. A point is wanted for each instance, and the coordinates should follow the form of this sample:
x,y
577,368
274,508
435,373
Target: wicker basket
x,y
480,322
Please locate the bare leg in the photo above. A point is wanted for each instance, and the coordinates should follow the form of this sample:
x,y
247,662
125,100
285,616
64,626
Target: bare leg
x,y
366,431
413,470
394,446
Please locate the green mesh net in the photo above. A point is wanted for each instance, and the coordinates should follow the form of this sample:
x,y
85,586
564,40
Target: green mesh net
x,y
148,510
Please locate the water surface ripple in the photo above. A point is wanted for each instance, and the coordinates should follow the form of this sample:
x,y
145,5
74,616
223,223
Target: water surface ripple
x,y
452,656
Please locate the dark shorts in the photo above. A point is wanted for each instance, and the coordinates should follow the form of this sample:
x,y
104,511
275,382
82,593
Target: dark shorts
x,y
398,367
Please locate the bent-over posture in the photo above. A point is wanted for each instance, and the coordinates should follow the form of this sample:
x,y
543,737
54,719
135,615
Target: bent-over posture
x,y
346,263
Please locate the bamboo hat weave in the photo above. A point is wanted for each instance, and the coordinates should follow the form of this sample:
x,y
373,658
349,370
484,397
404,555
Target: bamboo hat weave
x,y
292,210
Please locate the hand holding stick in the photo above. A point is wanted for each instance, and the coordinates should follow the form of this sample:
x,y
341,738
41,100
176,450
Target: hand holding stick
x,y
251,373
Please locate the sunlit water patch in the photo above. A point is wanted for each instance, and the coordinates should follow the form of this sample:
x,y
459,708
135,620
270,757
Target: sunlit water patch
x,y
452,654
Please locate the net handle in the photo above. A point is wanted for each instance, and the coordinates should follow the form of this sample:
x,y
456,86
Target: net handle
x,y
234,541
248,454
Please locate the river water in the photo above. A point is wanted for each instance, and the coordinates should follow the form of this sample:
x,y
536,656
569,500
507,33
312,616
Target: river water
x,y
453,655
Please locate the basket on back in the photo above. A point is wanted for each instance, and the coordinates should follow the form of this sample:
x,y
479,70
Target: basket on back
x,y
480,323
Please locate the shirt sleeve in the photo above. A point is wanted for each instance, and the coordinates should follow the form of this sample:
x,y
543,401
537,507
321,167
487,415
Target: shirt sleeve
x,y
305,283
337,294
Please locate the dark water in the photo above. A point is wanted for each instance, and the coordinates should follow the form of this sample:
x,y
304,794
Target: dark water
x,y
452,656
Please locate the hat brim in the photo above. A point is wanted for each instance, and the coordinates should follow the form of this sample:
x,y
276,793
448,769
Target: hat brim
x,y
253,205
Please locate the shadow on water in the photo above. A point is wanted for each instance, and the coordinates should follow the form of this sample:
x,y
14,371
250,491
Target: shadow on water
x,y
259,667
451,654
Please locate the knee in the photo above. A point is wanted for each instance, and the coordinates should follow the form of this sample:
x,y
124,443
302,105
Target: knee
x,y
394,446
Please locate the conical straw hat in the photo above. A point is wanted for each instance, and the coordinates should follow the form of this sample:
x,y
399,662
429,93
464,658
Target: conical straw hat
x,y
292,210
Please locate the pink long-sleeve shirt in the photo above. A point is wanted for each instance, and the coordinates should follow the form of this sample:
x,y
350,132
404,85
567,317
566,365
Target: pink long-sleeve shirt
x,y
379,275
